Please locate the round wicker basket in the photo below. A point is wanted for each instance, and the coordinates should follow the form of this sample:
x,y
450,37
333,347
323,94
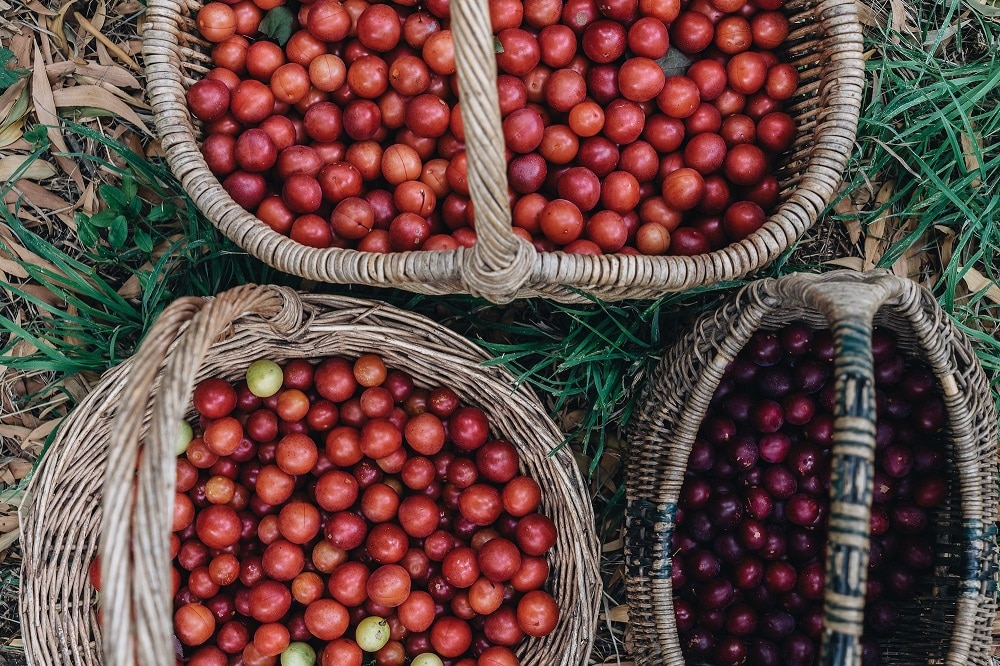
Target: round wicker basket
x,y
949,621
825,44
90,469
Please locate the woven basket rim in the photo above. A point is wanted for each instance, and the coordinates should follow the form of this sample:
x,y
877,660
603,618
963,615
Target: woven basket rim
x,y
624,276
298,324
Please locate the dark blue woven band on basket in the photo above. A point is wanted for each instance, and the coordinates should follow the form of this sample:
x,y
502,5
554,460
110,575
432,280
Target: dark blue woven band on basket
x,y
650,527
979,564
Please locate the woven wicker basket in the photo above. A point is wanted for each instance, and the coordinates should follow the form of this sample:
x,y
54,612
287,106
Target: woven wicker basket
x,y
825,45
90,469
948,624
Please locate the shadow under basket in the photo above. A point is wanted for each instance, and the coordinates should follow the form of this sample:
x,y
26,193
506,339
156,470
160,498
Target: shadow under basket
x,y
824,44
949,620
93,471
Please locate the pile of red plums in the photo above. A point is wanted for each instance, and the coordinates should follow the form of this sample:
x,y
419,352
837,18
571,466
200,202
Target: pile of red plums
x,y
349,134
748,573
325,511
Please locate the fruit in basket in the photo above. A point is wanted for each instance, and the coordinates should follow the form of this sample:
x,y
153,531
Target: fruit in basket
x,y
349,134
335,509
748,571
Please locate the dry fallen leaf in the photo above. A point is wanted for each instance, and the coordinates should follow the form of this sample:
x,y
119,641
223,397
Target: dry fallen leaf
x,y
901,18
875,236
45,110
10,135
118,51
978,282
969,147
20,468
57,28
37,169
40,9
617,614
11,267
13,98
846,208
868,16
947,244
853,263
116,75
25,254
38,196
95,97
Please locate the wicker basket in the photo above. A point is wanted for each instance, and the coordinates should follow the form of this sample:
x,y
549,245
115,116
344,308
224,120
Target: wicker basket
x,y
137,407
825,45
950,623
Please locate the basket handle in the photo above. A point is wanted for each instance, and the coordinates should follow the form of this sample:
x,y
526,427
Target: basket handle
x,y
137,508
849,301
500,262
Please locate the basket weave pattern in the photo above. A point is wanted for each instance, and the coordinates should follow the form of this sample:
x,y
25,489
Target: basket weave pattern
x,y
825,44
950,621
90,469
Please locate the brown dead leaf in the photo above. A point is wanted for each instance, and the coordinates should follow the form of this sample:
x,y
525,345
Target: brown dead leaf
x,y
57,27
45,109
128,8
868,16
10,135
97,22
116,75
44,295
947,244
14,106
154,149
36,438
901,18
20,468
95,97
25,254
11,267
37,169
875,236
118,51
978,282
969,147
6,541
846,208
23,348
853,263
617,614
5,10
901,267
132,287
132,140
38,196
612,546
88,202
21,45
79,385
40,9
12,97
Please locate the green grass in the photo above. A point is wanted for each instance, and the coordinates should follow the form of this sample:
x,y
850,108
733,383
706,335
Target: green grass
x,y
148,230
932,124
